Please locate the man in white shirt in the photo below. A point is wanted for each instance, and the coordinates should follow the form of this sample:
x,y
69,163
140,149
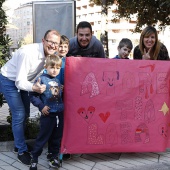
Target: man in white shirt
x,y
15,83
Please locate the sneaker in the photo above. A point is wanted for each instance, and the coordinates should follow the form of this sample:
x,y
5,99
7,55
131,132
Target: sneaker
x,y
25,158
66,157
33,165
15,150
49,156
54,163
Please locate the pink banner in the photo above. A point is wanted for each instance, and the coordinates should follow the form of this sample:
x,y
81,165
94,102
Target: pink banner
x,y
114,105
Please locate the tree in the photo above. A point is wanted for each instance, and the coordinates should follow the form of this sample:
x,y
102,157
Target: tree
x,y
148,12
4,41
28,39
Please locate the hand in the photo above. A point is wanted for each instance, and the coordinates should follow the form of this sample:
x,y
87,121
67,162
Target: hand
x,y
39,88
45,110
146,55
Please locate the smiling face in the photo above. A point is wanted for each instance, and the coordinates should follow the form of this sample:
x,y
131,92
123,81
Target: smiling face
x,y
84,36
123,52
51,43
63,49
149,41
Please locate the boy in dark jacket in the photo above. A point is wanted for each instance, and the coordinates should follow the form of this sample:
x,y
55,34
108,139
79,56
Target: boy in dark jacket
x,y
124,48
51,107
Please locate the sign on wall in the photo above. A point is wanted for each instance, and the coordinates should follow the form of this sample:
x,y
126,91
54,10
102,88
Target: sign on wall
x,y
116,105
59,15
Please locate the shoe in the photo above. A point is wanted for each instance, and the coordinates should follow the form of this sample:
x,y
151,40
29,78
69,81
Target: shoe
x,y
54,163
49,156
25,158
66,157
15,150
33,165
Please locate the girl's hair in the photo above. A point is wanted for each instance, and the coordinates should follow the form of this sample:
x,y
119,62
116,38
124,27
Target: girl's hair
x,y
64,40
52,60
156,48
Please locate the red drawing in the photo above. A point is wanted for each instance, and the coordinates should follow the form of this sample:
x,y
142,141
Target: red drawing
x,y
86,115
152,67
142,129
104,117
163,130
145,84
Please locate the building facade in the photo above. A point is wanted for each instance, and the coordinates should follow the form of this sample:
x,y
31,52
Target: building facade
x,y
21,30
85,11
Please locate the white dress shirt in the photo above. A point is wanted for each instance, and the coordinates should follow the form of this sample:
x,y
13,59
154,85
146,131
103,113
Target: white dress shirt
x,y
25,64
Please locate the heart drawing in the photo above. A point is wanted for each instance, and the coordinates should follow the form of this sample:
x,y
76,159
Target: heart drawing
x,y
105,116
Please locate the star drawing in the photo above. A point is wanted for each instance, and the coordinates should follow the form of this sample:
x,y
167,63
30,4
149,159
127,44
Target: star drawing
x,y
164,109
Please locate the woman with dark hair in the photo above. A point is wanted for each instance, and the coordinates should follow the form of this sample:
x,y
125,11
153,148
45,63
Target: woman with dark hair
x,y
149,47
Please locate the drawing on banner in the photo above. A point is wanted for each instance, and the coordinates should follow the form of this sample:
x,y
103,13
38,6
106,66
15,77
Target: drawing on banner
x,y
126,130
128,82
86,114
105,116
90,86
93,137
116,103
162,83
164,109
124,106
111,134
142,129
138,108
145,84
150,66
149,112
163,130
110,77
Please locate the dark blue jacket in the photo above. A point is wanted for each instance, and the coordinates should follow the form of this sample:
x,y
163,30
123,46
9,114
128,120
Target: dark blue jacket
x,y
52,96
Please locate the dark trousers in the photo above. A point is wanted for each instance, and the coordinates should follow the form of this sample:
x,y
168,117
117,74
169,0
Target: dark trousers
x,y
51,130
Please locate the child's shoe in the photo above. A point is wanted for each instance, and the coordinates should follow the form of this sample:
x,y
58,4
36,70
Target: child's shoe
x,y
54,163
33,165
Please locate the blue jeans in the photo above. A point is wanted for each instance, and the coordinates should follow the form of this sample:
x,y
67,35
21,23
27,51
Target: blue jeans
x,y
19,104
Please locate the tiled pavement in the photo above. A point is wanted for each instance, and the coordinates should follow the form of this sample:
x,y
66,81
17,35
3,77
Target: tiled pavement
x,y
104,161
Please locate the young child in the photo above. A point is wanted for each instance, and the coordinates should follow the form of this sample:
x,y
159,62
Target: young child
x,y
124,48
51,106
63,50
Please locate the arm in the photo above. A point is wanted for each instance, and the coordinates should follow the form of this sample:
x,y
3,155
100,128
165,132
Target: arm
x,y
36,101
35,97
28,65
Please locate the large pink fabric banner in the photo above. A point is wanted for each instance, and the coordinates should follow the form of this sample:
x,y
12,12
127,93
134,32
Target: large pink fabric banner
x,y
114,105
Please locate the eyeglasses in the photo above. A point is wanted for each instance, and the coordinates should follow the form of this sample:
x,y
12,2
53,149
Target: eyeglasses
x,y
52,43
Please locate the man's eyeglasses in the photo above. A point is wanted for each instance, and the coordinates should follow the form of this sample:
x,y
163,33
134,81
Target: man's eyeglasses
x,y
51,43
